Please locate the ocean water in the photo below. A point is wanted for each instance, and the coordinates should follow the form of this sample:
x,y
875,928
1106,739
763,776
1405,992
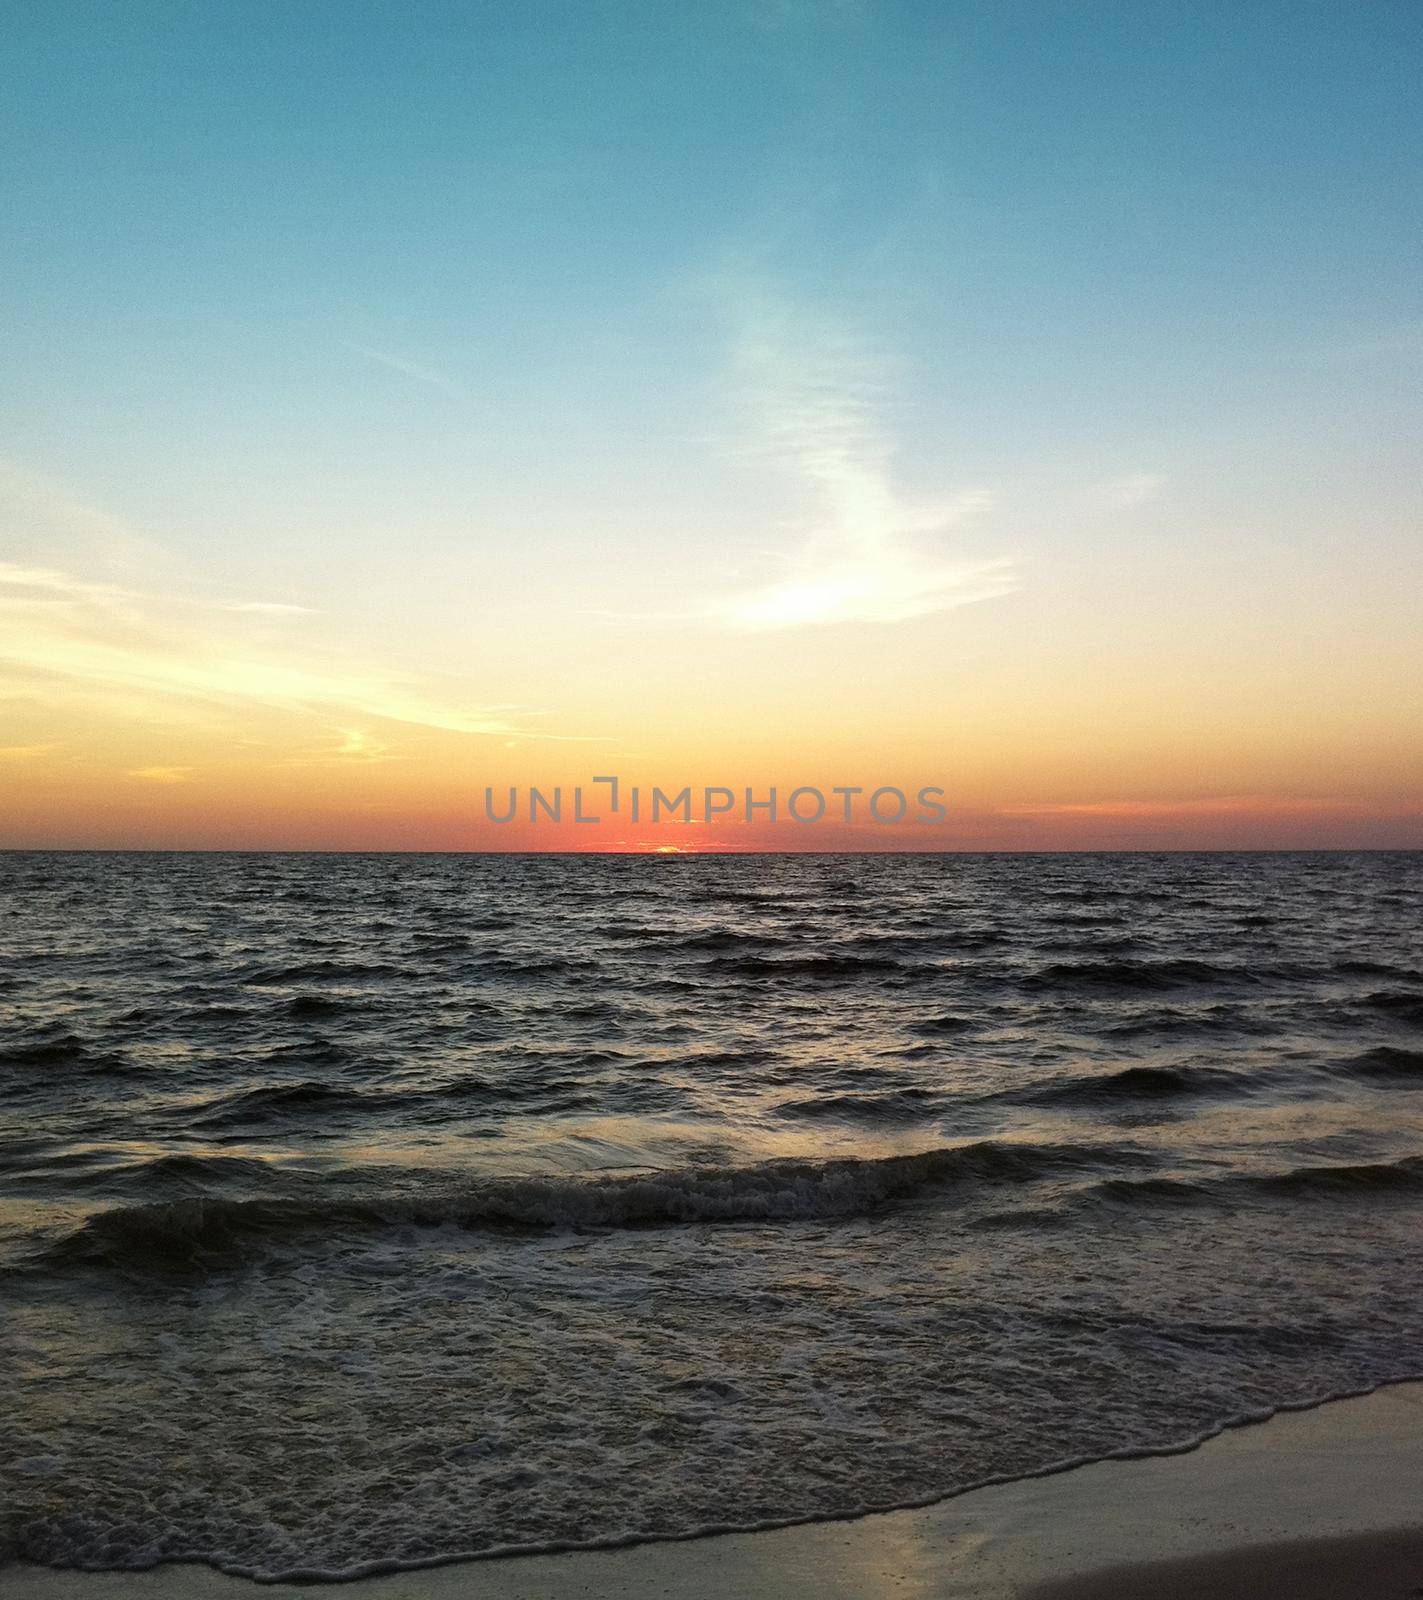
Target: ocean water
x,y
359,1212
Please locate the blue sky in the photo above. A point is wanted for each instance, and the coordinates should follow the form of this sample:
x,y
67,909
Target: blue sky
x,y
465,326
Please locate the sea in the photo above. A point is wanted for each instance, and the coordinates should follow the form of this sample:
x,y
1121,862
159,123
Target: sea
x,y
361,1212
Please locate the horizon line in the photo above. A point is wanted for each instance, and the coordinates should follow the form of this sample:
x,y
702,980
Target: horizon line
x,y
711,855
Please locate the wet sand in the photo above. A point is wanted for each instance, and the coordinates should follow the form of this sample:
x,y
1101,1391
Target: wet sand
x,y
1313,1504
1363,1565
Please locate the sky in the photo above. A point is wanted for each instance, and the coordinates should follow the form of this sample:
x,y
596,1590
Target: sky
x,y
404,402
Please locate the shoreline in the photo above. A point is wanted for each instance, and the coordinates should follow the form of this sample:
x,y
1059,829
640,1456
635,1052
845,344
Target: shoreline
x,y
1317,1495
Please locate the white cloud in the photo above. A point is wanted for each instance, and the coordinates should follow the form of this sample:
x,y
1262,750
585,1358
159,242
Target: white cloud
x,y
20,585
99,640
815,399
430,376
266,608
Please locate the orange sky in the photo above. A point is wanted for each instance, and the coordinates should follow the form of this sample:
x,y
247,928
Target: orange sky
x,y
138,718
801,394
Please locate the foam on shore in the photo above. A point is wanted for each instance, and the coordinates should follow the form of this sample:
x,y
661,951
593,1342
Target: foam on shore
x,y
1321,1497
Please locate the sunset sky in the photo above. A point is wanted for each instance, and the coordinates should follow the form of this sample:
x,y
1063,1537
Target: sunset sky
x,y
400,400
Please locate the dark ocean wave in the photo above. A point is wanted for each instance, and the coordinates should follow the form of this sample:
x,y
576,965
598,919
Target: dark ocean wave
x,y
826,968
314,1051
326,1005
899,1106
933,1026
356,972
1137,1083
715,941
1379,969
1319,1181
1399,1004
311,1097
60,1059
211,1232
524,1202
311,1103
1139,975
1357,1177
1387,1063
63,1050
1232,1021
170,1177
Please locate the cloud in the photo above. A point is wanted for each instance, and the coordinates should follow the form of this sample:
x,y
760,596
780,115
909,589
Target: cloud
x,y
104,642
417,370
357,745
45,586
1215,805
266,608
815,400
162,774
25,752
37,508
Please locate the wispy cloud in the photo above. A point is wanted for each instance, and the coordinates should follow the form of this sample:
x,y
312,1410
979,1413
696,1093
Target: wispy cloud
x,y
358,746
39,510
25,585
25,752
266,608
162,774
64,632
1210,806
815,400
418,370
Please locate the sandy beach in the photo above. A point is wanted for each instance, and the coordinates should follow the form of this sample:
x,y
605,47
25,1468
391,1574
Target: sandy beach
x,y
1316,1504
